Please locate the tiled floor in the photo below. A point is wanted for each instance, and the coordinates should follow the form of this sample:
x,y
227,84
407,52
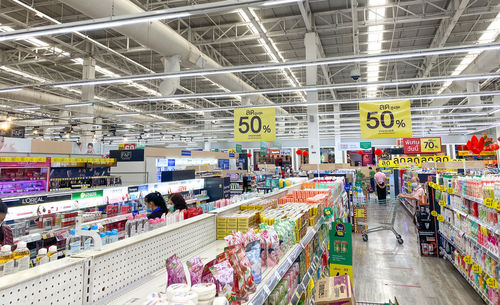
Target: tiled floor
x,y
384,269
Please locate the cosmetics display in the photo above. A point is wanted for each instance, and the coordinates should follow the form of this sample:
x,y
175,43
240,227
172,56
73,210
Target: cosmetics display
x,y
23,175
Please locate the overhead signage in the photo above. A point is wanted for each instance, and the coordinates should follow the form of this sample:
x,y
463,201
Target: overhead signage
x,y
171,162
254,124
14,132
406,161
239,148
127,155
470,153
127,146
185,153
365,145
86,195
231,155
275,151
422,145
385,119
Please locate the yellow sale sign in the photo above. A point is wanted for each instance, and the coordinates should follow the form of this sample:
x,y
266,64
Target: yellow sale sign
x,y
254,124
385,119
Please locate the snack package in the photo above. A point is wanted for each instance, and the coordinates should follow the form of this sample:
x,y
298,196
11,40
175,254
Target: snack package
x,y
206,275
263,248
195,267
223,273
253,253
239,275
175,271
246,267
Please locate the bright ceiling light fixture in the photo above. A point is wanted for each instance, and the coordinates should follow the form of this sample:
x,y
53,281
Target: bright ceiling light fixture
x,y
488,36
288,74
375,38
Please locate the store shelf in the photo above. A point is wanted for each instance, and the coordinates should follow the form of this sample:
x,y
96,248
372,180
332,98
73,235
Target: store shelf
x,y
195,200
471,198
106,221
462,252
301,288
474,219
408,206
491,254
481,293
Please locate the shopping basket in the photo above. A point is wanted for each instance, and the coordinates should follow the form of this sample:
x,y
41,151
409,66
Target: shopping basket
x,y
380,216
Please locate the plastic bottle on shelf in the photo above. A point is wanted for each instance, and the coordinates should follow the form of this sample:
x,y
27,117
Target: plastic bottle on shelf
x,y
21,256
130,229
86,241
114,234
150,224
144,219
103,238
42,257
6,260
73,243
52,254
109,239
138,223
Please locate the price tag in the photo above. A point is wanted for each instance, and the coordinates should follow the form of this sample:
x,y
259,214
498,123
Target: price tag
x,y
442,188
450,191
497,204
254,124
434,213
484,231
468,260
430,145
488,202
385,119
458,215
476,268
440,218
491,282
442,203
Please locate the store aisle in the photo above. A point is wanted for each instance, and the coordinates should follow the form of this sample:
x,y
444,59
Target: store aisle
x,y
384,269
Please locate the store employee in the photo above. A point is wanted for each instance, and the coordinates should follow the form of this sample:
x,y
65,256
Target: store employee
x,y
155,202
418,190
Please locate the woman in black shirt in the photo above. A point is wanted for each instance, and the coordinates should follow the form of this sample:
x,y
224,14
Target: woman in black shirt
x,y
155,202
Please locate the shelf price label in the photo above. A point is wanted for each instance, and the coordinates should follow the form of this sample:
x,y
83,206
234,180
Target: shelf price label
x,y
476,268
442,188
254,124
497,204
468,260
434,213
440,218
491,282
441,203
450,191
385,119
488,202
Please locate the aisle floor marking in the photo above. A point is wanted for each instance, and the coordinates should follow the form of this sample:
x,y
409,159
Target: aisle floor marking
x,y
402,285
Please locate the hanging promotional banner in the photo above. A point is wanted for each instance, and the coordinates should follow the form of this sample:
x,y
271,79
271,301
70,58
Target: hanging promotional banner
x,y
385,119
254,124
422,145
407,161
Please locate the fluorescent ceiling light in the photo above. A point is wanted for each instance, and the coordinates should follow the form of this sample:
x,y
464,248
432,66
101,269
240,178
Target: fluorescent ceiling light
x,y
314,88
82,117
292,64
127,114
28,108
375,38
78,105
10,90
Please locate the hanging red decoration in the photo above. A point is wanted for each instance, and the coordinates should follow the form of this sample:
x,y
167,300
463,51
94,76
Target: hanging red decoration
x,y
305,153
496,146
498,139
378,152
249,155
477,145
298,152
360,152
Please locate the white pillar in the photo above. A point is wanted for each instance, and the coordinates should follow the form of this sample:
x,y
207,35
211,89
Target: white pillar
x,y
496,101
448,150
453,154
88,94
312,96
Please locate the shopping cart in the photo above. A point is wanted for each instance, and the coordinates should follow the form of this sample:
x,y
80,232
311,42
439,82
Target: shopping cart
x,y
380,216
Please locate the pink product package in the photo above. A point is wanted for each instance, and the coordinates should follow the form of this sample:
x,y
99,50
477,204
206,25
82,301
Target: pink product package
x,y
224,275
206,275
175,271
195,267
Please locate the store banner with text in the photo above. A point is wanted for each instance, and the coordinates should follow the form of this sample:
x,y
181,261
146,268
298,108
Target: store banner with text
x,y
385,119
422,145
254,124
407,161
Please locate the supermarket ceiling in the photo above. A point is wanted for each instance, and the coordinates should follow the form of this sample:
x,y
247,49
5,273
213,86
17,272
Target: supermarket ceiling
x,y
258,41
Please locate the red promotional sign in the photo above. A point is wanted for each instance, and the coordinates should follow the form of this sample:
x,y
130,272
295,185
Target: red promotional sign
x,y
422,145
127,146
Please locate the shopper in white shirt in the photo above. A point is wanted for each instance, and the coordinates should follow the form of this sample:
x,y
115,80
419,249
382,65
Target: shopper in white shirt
x,y
380,185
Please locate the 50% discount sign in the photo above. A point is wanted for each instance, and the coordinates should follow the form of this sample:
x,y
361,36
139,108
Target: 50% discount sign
x,y
390,119
254,124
